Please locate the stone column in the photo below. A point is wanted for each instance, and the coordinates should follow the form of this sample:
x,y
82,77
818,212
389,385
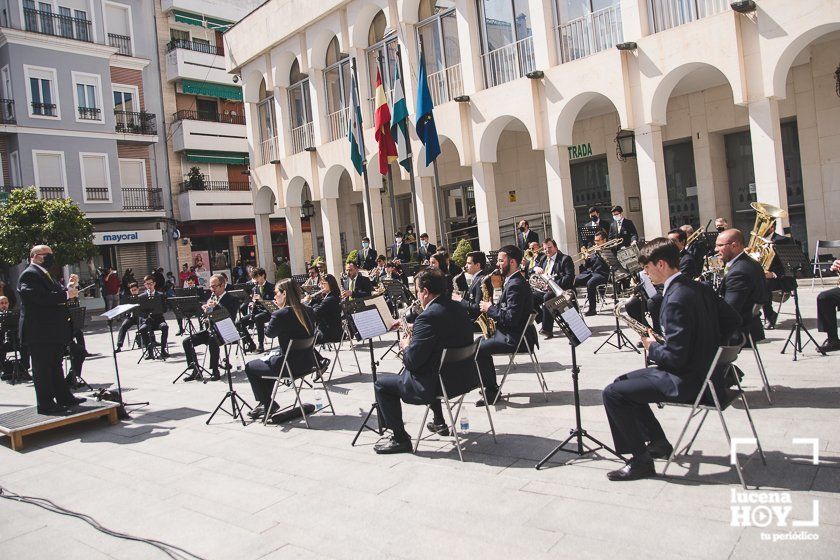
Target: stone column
x,y
544,38
487,212
294,231
560,201
318,99
265,251
426,208
652,186
469,43
766,139
377,238
331,229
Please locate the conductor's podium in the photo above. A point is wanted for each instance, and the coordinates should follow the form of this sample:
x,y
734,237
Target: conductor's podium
x,y
26,421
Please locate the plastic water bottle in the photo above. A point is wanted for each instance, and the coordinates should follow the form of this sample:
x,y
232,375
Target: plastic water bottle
x,y
319,404
465,423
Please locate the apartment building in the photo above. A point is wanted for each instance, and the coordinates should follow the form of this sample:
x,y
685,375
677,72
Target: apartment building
x,y
715,107
81,114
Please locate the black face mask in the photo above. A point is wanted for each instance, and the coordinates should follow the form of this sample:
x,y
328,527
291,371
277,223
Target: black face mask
x,y
593,217
720,229
49,261
521,228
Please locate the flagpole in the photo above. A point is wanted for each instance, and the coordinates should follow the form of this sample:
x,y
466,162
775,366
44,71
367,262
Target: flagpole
x,y
439,208
417,227
369,224
390,176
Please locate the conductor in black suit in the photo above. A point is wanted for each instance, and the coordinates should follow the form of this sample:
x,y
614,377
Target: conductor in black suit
x,y
743,282
561,269
443,323
218,286
694,323
525,235
595,273
511,316
355,285
366,256
623,228
472,294
46,328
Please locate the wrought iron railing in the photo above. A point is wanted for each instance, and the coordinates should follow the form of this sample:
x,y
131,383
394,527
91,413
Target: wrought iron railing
x,y
122,42
58,25
142,198
7,111
132,122
590,34
510,62
196,46
97,194
665,14
208,116
44,109
51,193
303,137
90,113
205,185
445,85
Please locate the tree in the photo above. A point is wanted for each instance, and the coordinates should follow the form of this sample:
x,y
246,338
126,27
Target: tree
x,y
459,255
195,179
27,220
351,256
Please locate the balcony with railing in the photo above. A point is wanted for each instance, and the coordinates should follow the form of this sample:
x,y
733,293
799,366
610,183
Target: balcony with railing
x,y
90,113
303,137
57,25
208,116
7,111
44,109
445,85
196,46
508,63
132,122
269,151
204,184
97,194
665,14
121,42
51,193
592,33
337,124
142,198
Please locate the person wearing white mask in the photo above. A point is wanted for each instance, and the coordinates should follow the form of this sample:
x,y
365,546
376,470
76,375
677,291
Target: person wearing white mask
x,y
366,256
623,228
426,249
400,251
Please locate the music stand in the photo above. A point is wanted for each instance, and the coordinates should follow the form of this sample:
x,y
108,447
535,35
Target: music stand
x,y
586,235
225,332
369,325
628,257
621,338
795,261
186,307
217,314
117,313
77,317
577,332
149,306
9,322
711,238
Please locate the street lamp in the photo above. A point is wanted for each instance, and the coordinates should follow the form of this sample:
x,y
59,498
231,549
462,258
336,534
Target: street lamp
x,y
307,209
625,141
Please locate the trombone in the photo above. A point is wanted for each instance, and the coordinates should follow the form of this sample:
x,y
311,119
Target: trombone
x,y
587,252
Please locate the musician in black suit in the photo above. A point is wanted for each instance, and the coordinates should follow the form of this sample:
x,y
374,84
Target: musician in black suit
x,y
596,221
828,302
219,297
426,249
525,235
293,320
131,319
443,323
327,307
698,248
153,322
623,228
743,282
511,316
399,250
355,285
255,314
366,256
561,269
46,328
595,272
776,277
9,343
694,323
471,293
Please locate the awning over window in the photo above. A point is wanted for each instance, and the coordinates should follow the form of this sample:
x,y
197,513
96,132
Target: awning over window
x,y
227,158
212,90
202,21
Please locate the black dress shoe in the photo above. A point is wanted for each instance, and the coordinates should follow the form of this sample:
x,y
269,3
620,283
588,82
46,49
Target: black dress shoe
x,y
260,350
591,313
250,348
50,409
258,412
633,470
215,375
118,349
393,446
192,377
491,397
72,402
439,429
661,449
548,335
323,364
830,345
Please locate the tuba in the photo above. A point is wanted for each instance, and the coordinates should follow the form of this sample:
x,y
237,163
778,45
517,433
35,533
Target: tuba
x,y
488,285
760,246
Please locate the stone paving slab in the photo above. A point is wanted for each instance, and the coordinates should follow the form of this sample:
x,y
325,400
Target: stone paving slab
x,y
274,492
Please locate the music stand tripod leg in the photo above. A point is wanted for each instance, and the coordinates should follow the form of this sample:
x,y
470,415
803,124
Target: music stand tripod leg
x,y
374,407
237,403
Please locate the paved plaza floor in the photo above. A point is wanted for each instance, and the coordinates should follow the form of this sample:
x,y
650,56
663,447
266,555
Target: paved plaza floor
x,y
224,491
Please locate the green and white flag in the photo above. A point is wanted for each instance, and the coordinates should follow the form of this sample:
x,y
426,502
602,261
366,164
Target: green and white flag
x,y
399,123
355,134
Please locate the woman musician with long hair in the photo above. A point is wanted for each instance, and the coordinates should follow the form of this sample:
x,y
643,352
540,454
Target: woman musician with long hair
x,y
327,307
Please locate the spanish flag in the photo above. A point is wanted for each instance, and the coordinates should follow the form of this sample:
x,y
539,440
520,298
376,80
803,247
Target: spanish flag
x,y
382,122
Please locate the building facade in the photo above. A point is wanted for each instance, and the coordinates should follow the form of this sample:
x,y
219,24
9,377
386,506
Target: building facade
x,y
207,140
80,84
725,108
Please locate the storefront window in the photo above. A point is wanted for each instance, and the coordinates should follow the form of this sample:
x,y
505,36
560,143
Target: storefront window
x,y
682,185
590,187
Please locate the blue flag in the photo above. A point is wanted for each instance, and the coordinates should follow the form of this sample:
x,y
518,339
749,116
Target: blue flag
x,y
425,119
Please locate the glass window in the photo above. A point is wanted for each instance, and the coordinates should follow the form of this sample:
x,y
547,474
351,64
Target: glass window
x,y
267,121
377,29
42,99
86,94
124,100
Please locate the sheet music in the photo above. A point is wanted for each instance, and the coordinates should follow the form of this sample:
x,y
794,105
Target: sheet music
x,y
369,323
576,323
119,310
650,289
382,307
227,330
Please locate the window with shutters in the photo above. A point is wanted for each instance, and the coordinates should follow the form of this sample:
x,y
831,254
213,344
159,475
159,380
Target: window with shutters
x,y
96,179
50,173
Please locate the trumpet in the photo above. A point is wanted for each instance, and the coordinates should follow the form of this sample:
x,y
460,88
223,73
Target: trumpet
x,y
694,236
587,252
640,329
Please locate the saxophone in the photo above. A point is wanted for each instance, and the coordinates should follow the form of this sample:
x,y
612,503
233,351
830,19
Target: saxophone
x,y
484,322
640,329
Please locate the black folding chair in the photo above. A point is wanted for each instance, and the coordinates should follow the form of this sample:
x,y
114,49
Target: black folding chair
x,y
524,347
756,313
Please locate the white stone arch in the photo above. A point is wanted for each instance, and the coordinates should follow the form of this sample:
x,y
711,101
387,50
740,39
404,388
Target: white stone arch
x,y
781,66
332,180
362,16
570,111
489,139
252,76
420,157
409,11
294,191
662,93
318,40
265,200
281,65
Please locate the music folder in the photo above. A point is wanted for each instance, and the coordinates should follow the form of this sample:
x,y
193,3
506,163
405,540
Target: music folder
x,y
569,320
369,323
119,311
226,330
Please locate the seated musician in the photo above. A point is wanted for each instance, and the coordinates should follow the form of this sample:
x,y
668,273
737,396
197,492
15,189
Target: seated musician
x,y
292,320
356,285
743,283
828,302
130,319
9,342
694,323
530,257
561,269
441,261
595,272
327,307
219,297
776,278
443,323
379,271
391,272
635,306
256,315
511,316
154,322
698,248
473,276
313,280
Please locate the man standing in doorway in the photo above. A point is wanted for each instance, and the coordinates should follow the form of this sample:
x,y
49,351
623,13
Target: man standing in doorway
x,y
525,236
